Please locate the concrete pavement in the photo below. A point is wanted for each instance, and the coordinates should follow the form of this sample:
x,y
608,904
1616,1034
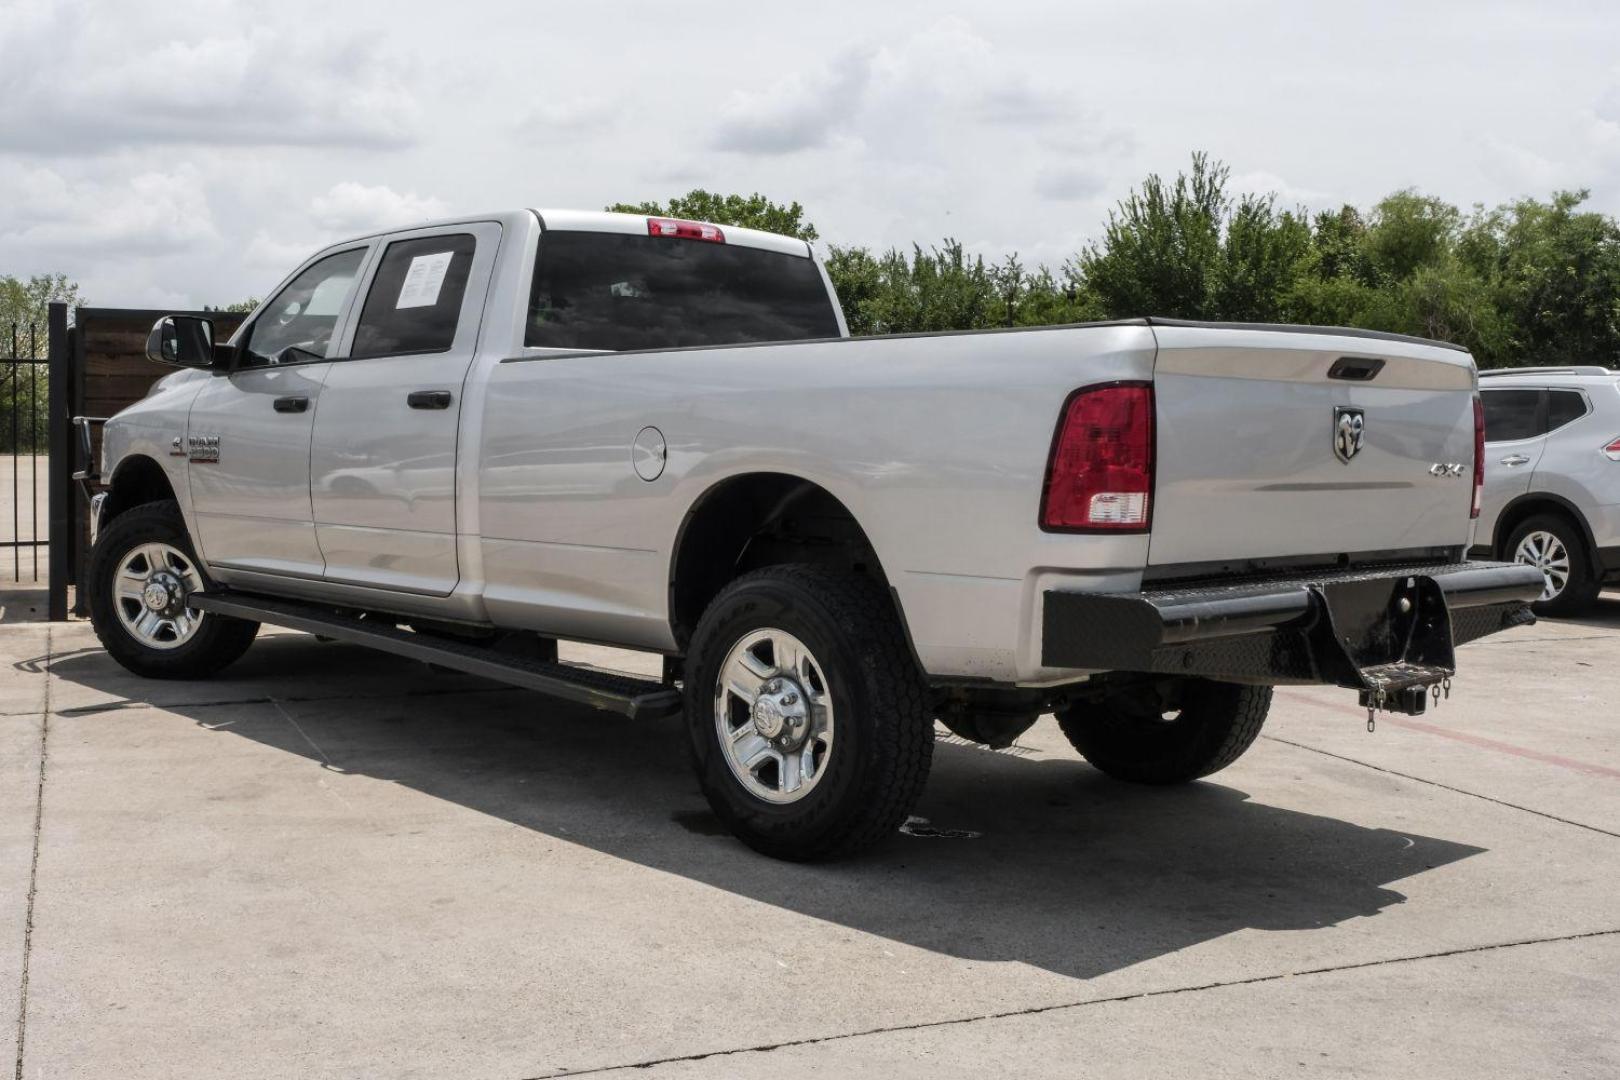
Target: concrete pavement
x,y
333,863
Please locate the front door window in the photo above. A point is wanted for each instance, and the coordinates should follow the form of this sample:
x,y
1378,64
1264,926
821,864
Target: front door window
x,y
297,323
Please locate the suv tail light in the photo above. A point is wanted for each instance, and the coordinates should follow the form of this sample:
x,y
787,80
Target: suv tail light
x,y
1479,456
684,230
1612,451
1099,477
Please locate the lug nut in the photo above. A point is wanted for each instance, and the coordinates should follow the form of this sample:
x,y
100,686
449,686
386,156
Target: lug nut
x,y
790,698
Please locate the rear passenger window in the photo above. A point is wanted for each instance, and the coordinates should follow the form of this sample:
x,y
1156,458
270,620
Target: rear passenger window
x,y
1564,407
415,298
621,291
1512,414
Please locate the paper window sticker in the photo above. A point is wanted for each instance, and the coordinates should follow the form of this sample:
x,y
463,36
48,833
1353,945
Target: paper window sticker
x,y
423,280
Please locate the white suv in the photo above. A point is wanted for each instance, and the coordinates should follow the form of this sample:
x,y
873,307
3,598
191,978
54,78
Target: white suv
x,y
1552,478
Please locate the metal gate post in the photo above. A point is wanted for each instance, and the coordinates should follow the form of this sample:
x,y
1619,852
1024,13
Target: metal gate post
x,y
60,468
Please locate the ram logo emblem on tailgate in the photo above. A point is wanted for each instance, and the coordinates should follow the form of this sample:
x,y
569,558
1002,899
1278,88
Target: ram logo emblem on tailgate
x,y
1349,427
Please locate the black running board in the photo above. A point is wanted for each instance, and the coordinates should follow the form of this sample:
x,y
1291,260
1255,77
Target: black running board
x,y
639,699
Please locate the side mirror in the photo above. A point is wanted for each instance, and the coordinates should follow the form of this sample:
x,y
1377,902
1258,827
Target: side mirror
x,y
182,340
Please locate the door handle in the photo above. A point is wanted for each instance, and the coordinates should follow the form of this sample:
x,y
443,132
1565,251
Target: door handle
x,y
428,399
291,404
1516,459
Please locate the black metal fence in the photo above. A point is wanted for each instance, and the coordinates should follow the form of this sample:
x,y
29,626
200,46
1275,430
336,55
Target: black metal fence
x,y
24,400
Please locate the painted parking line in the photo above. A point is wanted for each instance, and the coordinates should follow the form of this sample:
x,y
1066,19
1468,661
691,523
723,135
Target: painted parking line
x,y
1585,767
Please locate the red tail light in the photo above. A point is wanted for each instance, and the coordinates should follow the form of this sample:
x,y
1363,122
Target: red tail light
x,y
1100,475
1612,451
684,230
1479,456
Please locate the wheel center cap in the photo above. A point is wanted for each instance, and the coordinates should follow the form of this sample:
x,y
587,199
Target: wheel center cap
x,y
163,593
780,714
768,719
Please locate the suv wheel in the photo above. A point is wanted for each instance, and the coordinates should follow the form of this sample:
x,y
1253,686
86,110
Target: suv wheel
x,y
1555,546
809,720
142,569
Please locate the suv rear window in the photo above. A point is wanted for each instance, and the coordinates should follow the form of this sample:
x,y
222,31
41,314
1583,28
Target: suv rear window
x,y
1564,407
616,291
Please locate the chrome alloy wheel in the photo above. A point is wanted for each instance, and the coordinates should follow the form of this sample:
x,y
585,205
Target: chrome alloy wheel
x,y
1546,552
773,713
149,594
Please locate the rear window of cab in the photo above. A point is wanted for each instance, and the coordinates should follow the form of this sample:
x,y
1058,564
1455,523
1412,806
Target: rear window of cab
x,y
619,292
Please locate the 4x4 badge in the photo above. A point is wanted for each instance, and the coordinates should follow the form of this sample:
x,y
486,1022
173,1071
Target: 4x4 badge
x,y
1349,428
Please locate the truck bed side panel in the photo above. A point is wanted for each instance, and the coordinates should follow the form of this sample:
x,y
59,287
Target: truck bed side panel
x,y
936,445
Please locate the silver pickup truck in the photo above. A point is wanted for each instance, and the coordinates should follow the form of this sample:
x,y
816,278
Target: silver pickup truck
x,y
464,441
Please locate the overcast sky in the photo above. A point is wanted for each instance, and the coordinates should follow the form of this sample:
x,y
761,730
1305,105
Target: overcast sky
x,y
184,152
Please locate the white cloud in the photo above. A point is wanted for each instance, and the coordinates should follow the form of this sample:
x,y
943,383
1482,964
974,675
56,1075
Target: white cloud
x,y
274,253
801,111
351,208
82,78
1584,154
1289,196
147,213
577,116
1065,183
1521,168
949,65
198,149
938,77
346,209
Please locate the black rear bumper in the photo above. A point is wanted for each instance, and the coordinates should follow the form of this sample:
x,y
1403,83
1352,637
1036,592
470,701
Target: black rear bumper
x,y
1383,631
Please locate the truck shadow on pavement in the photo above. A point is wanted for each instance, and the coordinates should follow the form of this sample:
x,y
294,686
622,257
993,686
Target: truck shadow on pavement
x,y
1605,612
1069,871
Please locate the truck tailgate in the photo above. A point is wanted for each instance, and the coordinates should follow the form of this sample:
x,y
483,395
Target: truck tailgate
x,y
1273,444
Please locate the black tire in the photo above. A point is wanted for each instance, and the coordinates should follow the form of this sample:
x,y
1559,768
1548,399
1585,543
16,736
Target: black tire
x,y
1581,588
218,641
884,737
1128,736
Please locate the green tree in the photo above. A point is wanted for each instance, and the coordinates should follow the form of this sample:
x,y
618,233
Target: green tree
x,y
26,303
945,288
1262,254
242,307
1398,268
1186,249
1409,231
1161,245
24,315
1553,272
745,211
1529,282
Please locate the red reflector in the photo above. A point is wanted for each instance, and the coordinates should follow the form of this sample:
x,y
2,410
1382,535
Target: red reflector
x,y
684,230
1100,475
1479,456
1612,451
